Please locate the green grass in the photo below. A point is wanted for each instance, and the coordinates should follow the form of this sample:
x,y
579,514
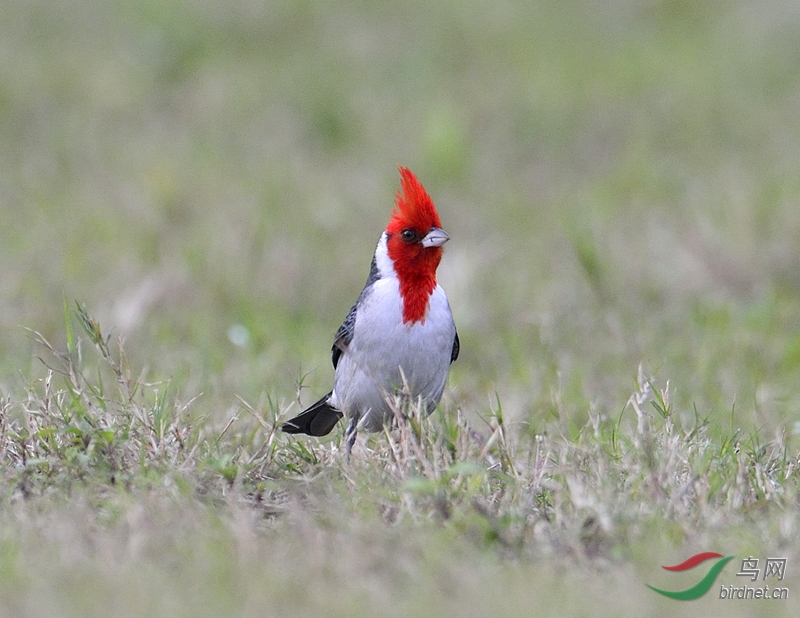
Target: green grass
x,y
619,180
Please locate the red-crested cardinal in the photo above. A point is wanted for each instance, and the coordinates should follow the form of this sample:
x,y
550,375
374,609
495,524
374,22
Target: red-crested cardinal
x,y
399,339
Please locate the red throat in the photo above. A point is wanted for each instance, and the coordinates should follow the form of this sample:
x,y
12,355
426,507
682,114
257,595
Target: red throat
x,y
414,264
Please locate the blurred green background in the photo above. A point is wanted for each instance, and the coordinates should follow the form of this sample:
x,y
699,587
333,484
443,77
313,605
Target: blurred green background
x,y
619,179
620,183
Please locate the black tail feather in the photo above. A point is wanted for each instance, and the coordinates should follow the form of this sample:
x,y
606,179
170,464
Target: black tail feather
x,y
317,420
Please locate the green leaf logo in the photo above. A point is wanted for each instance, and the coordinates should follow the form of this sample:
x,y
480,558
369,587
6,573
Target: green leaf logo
x,y
703,586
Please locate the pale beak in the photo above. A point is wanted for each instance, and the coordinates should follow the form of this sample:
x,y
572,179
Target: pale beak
x,y
435,237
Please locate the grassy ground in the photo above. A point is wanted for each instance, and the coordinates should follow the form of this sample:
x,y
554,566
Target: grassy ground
x,y
207,181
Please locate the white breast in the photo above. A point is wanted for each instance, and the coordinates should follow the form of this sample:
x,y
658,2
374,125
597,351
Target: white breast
x,y
384,350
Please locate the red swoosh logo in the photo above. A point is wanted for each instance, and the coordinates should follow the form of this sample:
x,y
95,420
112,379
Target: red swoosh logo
x,y
692,562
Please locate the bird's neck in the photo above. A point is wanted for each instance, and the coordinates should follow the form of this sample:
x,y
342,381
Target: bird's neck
x,y
416,278
415,292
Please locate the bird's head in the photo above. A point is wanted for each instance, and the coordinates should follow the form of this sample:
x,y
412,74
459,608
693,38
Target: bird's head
x,y
414,234
414,239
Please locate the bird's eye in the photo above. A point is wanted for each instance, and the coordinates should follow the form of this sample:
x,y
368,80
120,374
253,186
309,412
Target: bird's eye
x,y
408,235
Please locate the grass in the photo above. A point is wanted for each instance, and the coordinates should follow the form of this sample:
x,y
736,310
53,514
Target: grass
x,y
619,183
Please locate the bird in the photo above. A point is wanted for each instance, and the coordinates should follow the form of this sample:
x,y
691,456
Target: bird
x,y
399,339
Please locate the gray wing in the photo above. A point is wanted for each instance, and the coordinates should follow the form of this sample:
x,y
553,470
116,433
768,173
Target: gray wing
x,y
344,335
456,349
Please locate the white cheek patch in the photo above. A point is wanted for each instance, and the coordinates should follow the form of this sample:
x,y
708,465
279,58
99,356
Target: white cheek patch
x,y
382,259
